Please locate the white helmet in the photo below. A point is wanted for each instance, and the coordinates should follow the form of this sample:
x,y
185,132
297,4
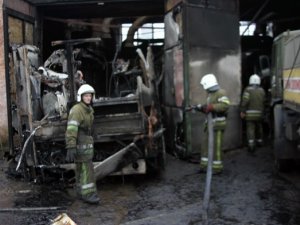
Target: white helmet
x,y
254,80
84,89
208,81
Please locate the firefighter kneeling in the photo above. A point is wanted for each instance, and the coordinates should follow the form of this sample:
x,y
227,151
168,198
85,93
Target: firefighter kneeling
x,y
217,104
80,146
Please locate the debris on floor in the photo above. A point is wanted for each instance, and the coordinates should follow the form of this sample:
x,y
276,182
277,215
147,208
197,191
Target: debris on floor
x,y
63,219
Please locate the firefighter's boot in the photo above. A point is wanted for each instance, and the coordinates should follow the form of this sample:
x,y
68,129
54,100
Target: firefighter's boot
x,y
217,167
251,146
260,142
203,165
91,198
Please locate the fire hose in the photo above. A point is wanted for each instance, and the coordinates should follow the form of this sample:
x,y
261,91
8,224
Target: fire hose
x,y
27,141
206,197
25,145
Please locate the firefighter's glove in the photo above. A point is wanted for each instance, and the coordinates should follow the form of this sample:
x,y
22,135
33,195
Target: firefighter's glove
x,y
207,108
193,107
188,109
243,115
71,152
198,107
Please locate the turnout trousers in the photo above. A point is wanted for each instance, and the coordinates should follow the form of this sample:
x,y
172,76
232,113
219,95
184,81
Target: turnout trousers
x,y
219,125
85,178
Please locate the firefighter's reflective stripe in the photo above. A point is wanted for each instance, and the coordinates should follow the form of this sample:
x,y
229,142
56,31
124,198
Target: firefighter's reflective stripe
x,y
259,141
217,164
218,119
85,146
251,142
72,125
87,186
73,122
254,111
253,115
85,151
219,123
224,99
204,159
246,96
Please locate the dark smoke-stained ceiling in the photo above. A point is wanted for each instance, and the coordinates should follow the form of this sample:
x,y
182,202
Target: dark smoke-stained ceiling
x,y
260,10
250,10
99,9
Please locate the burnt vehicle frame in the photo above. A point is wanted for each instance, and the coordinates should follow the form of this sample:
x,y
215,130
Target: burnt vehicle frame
x,y
130,116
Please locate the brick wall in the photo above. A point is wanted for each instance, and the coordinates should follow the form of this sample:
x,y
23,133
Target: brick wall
x,y
24,8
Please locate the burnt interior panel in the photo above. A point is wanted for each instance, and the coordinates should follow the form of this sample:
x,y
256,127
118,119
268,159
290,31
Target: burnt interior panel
x,y
119,108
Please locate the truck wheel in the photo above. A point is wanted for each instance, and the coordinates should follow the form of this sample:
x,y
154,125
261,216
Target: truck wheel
x,y
280,164
284,149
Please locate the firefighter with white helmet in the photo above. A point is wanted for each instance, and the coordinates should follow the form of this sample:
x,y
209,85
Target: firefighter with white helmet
x,y
217,103
79,143
208,81
252,109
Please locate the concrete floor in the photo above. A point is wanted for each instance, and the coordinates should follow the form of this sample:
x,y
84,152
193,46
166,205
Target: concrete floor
x,y
247,193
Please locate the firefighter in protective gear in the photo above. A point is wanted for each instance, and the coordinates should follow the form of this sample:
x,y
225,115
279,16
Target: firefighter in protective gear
x,y
218,104
79,144
252,109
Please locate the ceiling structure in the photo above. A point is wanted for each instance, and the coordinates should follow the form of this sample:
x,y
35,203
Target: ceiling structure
x,y
263,10
257,11
100,9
